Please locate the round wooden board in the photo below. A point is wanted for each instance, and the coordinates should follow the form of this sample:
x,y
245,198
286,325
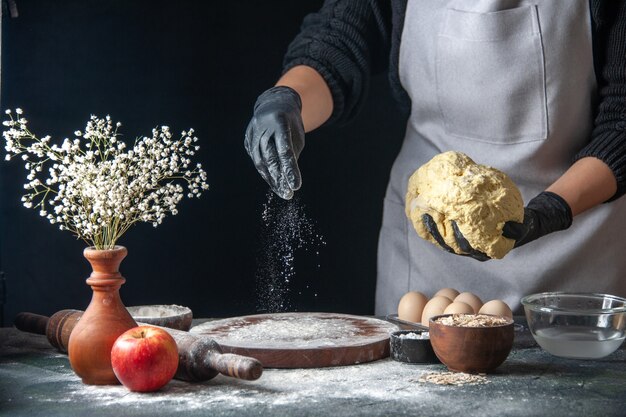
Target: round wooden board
x,y
302,340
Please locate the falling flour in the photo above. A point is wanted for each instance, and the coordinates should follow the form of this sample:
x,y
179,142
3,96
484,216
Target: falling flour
x,y
285,230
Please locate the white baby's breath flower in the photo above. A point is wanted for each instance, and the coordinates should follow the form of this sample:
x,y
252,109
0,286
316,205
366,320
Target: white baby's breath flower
x,y
94,188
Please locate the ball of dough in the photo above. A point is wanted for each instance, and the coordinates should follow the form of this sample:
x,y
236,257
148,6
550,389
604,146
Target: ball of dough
x,y
479,198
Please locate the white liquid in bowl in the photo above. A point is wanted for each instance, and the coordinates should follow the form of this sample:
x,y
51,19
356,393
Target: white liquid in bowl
x,y
579,342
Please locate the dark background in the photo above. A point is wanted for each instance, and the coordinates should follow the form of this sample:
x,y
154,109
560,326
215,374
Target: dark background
x,y
197,64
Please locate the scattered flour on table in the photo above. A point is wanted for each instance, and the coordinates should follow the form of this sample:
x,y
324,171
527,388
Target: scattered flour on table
x,y
285,230
378,381
297,389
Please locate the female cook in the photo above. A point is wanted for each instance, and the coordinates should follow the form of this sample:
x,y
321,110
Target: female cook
x,y
535,88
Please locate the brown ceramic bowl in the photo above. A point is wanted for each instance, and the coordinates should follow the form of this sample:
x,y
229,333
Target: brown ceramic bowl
x,y
171,316
471,349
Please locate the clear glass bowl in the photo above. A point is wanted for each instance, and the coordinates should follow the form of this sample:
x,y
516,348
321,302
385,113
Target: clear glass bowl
x,y
576,325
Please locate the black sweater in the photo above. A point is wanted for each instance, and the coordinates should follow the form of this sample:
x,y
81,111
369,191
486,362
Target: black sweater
x,y
349,40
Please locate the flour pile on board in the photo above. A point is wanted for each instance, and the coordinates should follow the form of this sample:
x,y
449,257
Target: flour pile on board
x,y
285,230
296,329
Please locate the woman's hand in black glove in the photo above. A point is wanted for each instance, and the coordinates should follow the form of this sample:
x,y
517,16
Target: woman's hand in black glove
x,y
461,241
546,213
275,137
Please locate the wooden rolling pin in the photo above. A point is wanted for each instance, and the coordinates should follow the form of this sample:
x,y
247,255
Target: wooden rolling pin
x,y
199,358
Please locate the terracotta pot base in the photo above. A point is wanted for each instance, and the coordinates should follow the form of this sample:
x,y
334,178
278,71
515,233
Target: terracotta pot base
x,y
104,319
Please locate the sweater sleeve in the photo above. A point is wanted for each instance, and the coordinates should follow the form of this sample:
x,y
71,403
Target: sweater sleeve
x,y
346,41
608,142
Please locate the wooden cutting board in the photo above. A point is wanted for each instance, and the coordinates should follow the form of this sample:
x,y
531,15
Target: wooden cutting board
x,y
302,340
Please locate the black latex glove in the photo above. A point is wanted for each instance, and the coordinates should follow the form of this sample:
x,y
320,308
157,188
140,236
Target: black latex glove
x,y
465,246
275,138
544,214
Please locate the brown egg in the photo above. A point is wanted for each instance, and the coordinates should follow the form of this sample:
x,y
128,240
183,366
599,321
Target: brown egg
x,y
458,307
451,293
471,299
434,307
496,308
411,306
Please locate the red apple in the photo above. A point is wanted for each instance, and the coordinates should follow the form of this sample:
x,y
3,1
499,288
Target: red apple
x,y
144,358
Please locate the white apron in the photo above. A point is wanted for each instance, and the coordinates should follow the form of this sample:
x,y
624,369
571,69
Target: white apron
x,y
510,83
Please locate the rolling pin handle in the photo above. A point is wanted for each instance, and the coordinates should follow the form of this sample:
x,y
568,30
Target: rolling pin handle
x,y
30,322
201,359
237,366
56,328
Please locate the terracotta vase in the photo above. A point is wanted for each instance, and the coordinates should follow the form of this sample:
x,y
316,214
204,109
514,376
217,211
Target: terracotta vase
x,y
104,319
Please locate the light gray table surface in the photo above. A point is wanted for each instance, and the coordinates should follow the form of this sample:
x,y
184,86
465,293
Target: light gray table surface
x,y
36,380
